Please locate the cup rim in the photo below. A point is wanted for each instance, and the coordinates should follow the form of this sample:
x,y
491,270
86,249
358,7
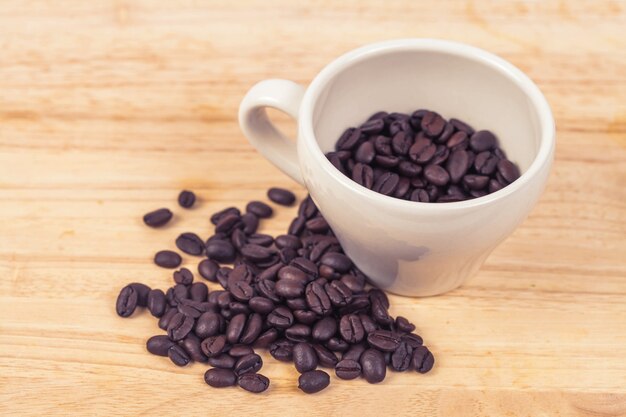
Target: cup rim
x,y
514,74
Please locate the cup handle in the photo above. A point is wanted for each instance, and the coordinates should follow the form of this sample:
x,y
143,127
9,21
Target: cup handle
x,y
283,95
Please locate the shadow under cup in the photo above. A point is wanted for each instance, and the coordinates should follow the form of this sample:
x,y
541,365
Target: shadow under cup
x,y
424,248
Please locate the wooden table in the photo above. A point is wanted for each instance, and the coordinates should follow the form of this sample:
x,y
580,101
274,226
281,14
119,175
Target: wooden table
x,y
109,108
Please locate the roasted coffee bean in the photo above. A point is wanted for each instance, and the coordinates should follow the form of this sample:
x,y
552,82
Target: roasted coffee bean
x,y
307,208
288,241
255,383
179,326
209,324
409,169
348,369
432,124
297,226
166,318
289,288
126,301
339,262
400,143
220,250
224,299
190,243
325,357
159,345
304,357
281,196
256,253
220,378
296,303
333,158
266,338
457,141
305,316
259,209
237,351
254,327
298,333
251,363
457,165
265,288
353,282
404,325
384,340
228,223
379,313
317,225
236,307
338,293
328,273
235,328
369,325
363,175
282,350
459,125
348,139
213,345
358,304
156,303
261,305
508,170
382,145
241,290
158,217
178,355
223,361
337,344
198,291
422,360
191,308
365,153
207,269
422,150
191,344
448,130
280,317
183,276
215,218
420,195
317,299
238,238
306,266
167,259
436,175
401,357
186,199
372,126
482,140
287,255
485,163
313,381
260,239
373,366
324,329
143,291
386,184
250,223
355,352
179,292
351,328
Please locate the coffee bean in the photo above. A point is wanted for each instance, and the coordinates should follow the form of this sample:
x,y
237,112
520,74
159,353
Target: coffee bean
x,y
209,324
261,305
325,356
213,345
260,239
207,269
422,360
482,140
457,141
183,276
324,329
337,261
259,209
220,378
228,223
313,381
221,251
166,318
254,326
280,317
459,125
373,366
158,217
337,345
240,350
156,303
288,241
420,195
191,344
475,182
382,145
351,328
265,287
432,124
238,308
298,333
167,259
304,357
457,165
317,299
349,139
179,326
436,175
338,293
223,361
235,328
126,301
379,313
317,225
289,288
198,291
282,350
159,345
386,184
190,243
186,198
307,208
404,325
281,196
266,338
251,363
297,226
354,283
348,369
363,175
255,383
508,170
256,253
216,217
401,357
250,223
355,352
178,355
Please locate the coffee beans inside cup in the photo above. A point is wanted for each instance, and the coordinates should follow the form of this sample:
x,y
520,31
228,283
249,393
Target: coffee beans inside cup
x,y
423,157
296,295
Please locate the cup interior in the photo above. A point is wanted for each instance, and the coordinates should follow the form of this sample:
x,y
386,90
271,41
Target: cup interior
x,y
457,82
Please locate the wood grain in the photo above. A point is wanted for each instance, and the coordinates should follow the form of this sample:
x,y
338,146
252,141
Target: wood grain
x,y
108,108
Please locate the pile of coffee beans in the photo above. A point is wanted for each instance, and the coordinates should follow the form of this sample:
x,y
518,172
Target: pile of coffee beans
x,y
422,157
297,295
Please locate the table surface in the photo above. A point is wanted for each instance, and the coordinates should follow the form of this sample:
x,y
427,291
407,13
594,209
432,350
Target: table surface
x,y
109,108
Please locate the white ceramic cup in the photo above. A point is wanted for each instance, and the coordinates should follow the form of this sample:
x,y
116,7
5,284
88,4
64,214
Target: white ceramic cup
x,y
409,248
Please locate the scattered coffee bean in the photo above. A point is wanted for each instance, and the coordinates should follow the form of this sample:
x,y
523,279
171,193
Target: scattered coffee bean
x,y
348,369
422,360
373,366
156,303
159,345
223,361
126,301
313,381
158,217
178,355
259,209
251,363
304,357
186,198
167,259
281,196
220,378
190,243
255,383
